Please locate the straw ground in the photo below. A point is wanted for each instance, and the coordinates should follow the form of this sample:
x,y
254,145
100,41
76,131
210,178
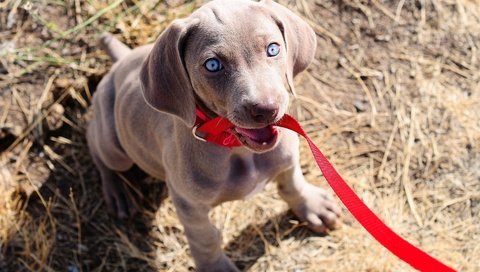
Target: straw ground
x,y
392,98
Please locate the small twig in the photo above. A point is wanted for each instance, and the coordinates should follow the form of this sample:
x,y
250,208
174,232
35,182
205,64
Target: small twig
x,y
92,19
3,117
385,11
23,108
365,10
77,218
313,80
78,12
320,30
54,156
44,203
306,9
87,90
406,165
129,184
75,95
45,92
42,264
423,14
13,10
399,10
387,149
343,63
424,61
23,154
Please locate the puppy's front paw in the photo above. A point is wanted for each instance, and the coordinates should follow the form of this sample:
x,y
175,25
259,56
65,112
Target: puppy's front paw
x,y
224,264
318,209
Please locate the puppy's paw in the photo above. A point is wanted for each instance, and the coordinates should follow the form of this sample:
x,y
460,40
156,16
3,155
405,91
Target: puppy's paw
x,y
119,197
318,209
224,264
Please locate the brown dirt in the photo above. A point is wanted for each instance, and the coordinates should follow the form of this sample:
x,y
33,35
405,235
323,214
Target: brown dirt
x,y
392,98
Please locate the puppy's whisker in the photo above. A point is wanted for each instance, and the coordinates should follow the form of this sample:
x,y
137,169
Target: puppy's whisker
x,y
231,116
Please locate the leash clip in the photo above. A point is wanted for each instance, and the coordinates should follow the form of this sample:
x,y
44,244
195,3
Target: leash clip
x,y
194,133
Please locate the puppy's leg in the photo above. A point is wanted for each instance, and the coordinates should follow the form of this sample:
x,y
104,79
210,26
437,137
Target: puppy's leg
x,y
309,202
204,239
116,192
107,153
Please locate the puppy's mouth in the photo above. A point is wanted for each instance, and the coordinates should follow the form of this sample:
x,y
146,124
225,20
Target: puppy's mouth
x,y
257,139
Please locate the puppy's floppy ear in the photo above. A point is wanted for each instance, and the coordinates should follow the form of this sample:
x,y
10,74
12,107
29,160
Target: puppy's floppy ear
x,y
164,79
299,37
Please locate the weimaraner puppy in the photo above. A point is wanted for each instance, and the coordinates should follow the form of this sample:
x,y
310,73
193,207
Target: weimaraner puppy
x,y
231,58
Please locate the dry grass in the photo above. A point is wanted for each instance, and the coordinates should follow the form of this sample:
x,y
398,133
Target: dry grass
x,y
392,98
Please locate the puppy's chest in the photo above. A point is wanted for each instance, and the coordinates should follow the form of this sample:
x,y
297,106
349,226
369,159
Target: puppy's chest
x,y
248,175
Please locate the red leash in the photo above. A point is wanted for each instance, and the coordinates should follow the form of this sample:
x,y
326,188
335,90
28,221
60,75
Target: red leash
x,y
216,131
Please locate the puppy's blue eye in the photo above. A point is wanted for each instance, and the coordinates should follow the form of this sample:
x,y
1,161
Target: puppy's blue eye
x,y
273,49
213,65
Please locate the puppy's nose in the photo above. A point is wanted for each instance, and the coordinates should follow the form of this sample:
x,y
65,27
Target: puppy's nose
x,y
263,112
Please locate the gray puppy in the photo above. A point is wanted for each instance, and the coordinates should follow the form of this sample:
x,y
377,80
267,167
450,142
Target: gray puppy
x,y
231,58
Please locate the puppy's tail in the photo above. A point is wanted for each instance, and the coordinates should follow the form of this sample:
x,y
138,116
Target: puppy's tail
x,y
114,48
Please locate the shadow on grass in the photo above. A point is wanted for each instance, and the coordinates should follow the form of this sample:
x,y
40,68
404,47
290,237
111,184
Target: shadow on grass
x,y
249,246
68,227
63,223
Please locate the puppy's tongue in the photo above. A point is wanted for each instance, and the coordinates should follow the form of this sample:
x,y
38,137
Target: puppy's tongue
x,y
259,135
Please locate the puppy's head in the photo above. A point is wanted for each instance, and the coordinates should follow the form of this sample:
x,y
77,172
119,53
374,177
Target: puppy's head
x,y
235,59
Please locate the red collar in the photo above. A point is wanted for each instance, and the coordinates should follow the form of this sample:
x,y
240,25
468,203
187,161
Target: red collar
x,y
216,130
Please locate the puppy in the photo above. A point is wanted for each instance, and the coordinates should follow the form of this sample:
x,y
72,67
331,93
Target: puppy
x,y
230,58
